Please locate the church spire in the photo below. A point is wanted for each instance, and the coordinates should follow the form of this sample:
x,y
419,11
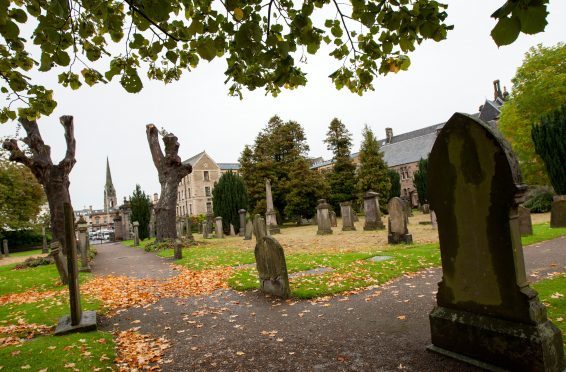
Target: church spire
x,y
110,201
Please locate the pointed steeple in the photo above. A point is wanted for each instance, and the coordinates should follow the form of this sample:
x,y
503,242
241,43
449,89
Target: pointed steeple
x,y
110,200
108,175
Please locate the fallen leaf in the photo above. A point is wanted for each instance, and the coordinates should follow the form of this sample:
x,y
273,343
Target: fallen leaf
x,y
401,317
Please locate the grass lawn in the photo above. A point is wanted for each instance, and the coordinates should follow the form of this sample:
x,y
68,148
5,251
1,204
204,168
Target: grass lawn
x,y
542,232
552,292
143,243
35,252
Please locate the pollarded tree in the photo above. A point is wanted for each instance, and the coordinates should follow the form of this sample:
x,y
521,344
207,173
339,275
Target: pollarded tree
x,y
342,179
228,197
373,173
395,180
260,40
140,205
420,179
171,171
549,138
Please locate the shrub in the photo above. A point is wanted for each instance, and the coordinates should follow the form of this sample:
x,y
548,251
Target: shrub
x,y
34,262
539,199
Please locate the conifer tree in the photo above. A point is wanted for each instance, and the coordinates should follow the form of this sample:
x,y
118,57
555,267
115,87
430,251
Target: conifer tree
x,y
305,187
342,178
373,173
141,211
395,181
228,197
549,139
421,181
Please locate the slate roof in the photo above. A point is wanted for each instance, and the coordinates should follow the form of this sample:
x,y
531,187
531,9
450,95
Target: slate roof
x,y
490,110
193,159
229,166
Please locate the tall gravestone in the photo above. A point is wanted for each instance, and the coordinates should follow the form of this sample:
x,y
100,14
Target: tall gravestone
x,y
347,216
558,211
525,222
118,228
249,230
333,220
219,232
210,222
136,225
5,249
44,247
323,218
84,244
205,231
397,222
371,209
242,231
189,227
270,262
270,215
232,230
485,310
433,221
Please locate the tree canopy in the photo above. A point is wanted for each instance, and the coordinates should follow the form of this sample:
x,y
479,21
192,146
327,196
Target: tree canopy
x,y
90,42
373,173
141,211
539,87
421,181
228,197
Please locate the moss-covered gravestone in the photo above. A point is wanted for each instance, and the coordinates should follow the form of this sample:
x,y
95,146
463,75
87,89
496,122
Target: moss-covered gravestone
x,y
486,312
397,231
270,262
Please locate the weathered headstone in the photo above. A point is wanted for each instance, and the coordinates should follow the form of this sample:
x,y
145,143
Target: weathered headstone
x,y
178,249
485,310
397,222
425,209
189,228
84,244
347,216
210,222
136,225
558,211
270,262
323,218
219,232
433,219
270,215
5,249
242,231
44,247
205,231
232,230
118,228
525,223
355,217
333,220
249,230
407,208
371,209
78,321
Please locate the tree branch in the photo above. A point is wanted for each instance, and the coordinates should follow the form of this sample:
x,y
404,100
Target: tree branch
x,y
69,159
16,154
154,147
342,16
152,22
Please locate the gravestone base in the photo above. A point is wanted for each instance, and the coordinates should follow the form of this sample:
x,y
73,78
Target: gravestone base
x,y
273,229
492,341
276,287
85,269
377,225
558,211
393,238
348,228
324,232
87,324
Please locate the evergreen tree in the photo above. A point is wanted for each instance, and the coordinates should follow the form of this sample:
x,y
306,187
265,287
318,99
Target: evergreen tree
x,y
342,178
395,181
141,211
549,139
228,197
373,173
305,187
421,181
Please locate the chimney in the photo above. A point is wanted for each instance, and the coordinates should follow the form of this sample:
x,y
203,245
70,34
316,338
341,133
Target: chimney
x,y
388,135
155,198
497,90
90,208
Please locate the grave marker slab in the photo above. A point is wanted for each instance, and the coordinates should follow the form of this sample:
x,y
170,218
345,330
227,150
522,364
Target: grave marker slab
x,y
397,222
371,209
270,215
333,220
242,231
136,226
323,218
5,250
205,230
249,230
525,222
485,310
84,244
558,211
219,232
347,216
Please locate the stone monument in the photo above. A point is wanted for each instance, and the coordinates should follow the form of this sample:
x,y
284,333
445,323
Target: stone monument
x,y
323,218
558,211
210,222
84,244
5,249
118,228
242,231
270,215
219,232
249,230
232,230
433,219
425,209
397,222
270,262
525,223
347,216
333,220
371,209
486,312
136,226
205,230
44,247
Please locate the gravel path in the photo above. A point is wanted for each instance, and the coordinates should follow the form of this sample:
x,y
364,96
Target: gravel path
x,y
380,329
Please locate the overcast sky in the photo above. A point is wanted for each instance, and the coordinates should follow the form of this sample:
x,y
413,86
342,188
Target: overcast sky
x,y
453,75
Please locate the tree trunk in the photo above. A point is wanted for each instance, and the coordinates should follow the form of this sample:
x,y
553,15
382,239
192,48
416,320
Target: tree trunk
x,y
53,178
171,171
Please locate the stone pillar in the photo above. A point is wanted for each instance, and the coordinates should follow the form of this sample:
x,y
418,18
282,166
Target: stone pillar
x,y
333,221
118,228
5,248
205,231
373,215
83,244
323,218
136,225
210,222
270,215
347,216
219,233
44,247
178,249
242,231
558,211
525,223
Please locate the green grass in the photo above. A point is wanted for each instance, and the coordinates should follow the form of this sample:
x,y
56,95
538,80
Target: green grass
x,y
203,258
552,292
35,252
542,232
41,278
143,243
56,353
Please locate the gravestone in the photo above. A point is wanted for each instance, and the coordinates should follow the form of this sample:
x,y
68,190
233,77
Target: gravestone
x,y
210,222
433,219
426,209
44,247
189,227
525,223
323,218
199,226
407,208
205,229
219,232
78,321
249,230
347,216
242,231
84,244
371,209
558,211
355,217
485,309
178,249
270,262
333,221
136,226
5,250
232,230
397,222
270,215
118,229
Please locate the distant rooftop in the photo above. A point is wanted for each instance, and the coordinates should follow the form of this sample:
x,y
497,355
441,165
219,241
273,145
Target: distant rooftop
x,y
229,166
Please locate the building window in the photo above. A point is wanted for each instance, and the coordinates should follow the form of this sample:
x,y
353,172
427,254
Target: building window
x,y
209,207
207,191
189,193
191,209
206,176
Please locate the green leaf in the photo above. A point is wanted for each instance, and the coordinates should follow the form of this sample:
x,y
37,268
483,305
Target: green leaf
x,y
506,31
533,19
61,58
131,81
206,49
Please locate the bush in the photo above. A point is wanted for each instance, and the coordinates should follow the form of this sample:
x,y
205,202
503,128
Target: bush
x,y
24,240
539,199
34,262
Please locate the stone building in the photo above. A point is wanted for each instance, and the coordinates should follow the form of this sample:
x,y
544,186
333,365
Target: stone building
x,y
195,190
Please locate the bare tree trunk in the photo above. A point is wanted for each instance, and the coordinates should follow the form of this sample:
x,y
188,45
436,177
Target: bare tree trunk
x,y
171,171
53,178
